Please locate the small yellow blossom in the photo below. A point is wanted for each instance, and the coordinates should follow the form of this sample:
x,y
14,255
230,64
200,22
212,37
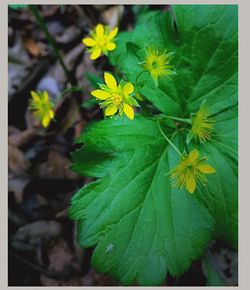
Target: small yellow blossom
x,y
101,40
191,170
42,107
202,125
116,98
156,62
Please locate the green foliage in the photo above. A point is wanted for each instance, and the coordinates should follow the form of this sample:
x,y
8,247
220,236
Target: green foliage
x,y
142,226
17,6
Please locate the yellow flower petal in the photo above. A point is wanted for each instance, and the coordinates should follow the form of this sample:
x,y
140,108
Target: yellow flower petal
x,y
111,46
191,183
202,125
110,110
88,41
46,121
99,94
194,155
99,30
113,33
95,54
45,96
110,81
128,89
35,96
128,110
205,168
51,114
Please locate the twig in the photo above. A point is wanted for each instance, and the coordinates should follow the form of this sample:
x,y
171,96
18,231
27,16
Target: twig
x,y
51,40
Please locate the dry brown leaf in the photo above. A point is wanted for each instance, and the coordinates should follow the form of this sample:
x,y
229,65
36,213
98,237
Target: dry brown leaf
x,y
112,16
16,160
79,128
21,138
12,130
69,34
32,47
62,260
57,166
95,279
49,10
61,257
37,232
17,185
74,281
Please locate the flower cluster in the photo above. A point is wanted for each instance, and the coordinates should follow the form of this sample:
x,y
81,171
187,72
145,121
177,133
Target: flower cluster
x,y
42,107
116,98
120,99
101,40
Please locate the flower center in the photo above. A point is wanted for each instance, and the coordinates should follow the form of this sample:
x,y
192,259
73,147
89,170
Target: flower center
x,y
116,99
102,41
155,64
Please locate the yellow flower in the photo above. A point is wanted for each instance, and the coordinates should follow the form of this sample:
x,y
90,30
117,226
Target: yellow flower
x,y
191,170
202,125
42,107
116,98
156,62
101,40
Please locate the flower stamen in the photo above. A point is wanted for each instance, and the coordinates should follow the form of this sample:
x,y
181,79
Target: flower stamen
x,y
202,125
190,171
157,63
116,98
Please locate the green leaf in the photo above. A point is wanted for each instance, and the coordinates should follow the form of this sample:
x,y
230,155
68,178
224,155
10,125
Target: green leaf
x,y
152,228
205,46
205,50
89,103
139,10
141,226
223,190
93,79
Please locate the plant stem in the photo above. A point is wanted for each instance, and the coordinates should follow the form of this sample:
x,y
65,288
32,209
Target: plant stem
x,y
165,136
51,40
187,121
70,89
139,74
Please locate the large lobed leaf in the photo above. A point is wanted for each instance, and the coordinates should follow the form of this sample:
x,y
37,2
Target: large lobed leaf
x,y
151,226
205,46
141,225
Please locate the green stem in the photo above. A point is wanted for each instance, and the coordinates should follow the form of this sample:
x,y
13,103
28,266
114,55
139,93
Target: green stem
x,y
43,26
70,89
140,73
187,121
165,136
